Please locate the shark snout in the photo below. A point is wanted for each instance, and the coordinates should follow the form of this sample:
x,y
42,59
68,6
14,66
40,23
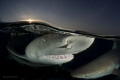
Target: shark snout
x,y
83,72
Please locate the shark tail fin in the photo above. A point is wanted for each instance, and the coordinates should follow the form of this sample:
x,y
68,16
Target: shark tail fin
x,y
116,45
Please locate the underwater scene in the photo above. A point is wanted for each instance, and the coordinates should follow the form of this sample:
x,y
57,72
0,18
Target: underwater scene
x,y
39,51
59,39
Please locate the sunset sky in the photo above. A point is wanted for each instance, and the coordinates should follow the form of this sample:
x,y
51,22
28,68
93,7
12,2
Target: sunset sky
x,y
96,16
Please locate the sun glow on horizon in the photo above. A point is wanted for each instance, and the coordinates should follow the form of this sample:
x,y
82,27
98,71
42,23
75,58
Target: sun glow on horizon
x,y
35,20
29,20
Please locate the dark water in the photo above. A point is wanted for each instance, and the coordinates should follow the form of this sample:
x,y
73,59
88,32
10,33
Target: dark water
x,y
12,70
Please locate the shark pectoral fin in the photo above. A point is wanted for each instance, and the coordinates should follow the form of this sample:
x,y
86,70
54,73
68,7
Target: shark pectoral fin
x,y
116,72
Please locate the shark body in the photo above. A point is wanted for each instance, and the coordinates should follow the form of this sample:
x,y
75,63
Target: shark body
x,y
52,49
106,64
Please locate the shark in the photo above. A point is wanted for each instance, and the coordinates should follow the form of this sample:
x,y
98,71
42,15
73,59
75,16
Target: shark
x,y
108,63
51,49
